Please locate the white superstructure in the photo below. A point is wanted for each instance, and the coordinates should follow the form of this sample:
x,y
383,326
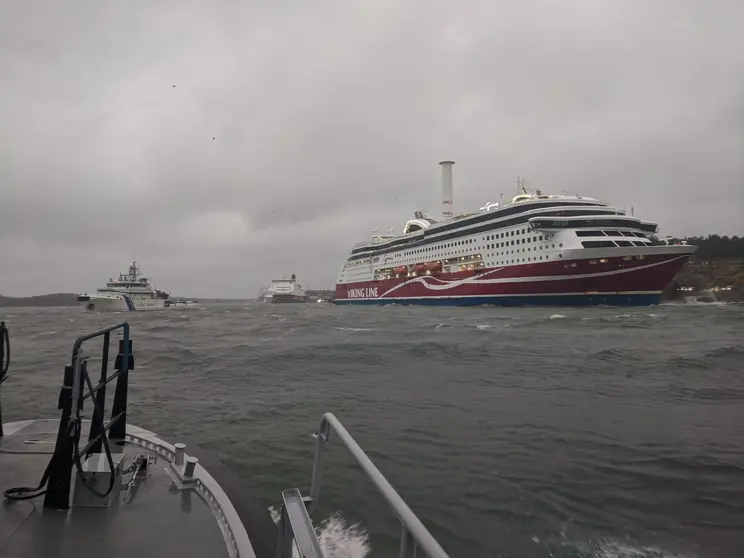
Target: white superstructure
x,y
130,292
286,290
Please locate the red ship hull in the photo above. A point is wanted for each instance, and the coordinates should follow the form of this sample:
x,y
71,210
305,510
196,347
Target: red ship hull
x,y
635,279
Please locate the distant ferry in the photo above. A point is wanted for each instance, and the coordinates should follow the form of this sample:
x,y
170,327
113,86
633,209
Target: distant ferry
x,y
130,292
537,249
286,290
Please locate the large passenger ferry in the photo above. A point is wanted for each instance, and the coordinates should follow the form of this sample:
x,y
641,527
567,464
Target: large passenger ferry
x,y
536,249
286,290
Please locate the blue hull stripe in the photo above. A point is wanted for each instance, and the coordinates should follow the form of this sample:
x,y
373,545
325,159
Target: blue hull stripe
x,y
645,299
130,302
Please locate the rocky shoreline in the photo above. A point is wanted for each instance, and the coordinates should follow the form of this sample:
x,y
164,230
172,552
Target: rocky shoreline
x,y
708,281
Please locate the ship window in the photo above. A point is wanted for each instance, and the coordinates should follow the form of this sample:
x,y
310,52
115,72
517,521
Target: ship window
x,y
623,243
636,243
589,233
613,233
598,244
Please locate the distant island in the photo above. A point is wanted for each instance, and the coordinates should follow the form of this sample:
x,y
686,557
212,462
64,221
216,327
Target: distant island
x,y
54,299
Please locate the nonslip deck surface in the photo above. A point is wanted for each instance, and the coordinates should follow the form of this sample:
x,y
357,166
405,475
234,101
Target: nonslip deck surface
x,y
158,520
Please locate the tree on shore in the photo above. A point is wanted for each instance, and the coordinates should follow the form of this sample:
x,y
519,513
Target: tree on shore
x,y
716,247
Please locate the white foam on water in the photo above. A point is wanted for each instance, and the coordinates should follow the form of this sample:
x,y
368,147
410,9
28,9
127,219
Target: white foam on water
x,y
694,301
612,549
556,316
606,548
337,538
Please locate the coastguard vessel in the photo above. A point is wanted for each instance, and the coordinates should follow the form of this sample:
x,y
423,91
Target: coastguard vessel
x,y
286,290
101,486
536,249
131,291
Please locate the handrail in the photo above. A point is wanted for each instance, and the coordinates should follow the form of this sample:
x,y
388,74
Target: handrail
x,y
295,525
67,452
83,338
411,525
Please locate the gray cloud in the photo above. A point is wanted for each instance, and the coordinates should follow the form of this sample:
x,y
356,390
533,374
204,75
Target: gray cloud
x,y
329,122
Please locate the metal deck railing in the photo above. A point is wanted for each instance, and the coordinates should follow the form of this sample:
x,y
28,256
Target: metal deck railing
x,y
295,523
73,393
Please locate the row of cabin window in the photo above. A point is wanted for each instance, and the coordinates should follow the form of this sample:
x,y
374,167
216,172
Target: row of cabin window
x,y
471,240
538,238
611,244
611,233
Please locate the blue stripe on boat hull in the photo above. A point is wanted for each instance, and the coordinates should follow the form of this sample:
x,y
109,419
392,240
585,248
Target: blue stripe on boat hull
x,y
130,303
645,299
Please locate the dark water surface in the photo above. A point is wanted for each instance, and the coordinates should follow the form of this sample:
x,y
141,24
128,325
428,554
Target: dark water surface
x,y
511,432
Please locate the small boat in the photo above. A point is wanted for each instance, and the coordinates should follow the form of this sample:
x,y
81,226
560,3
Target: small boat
x,y
434,267
98,487
181,303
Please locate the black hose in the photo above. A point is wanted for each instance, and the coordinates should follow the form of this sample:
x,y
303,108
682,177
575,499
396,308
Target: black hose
x,y
4,351
98,413
71,435
25,492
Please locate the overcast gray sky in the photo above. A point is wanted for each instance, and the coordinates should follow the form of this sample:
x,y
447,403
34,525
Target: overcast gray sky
x,y
329,119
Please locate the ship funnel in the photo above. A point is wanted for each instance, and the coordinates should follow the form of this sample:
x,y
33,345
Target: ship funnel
x,y
447,212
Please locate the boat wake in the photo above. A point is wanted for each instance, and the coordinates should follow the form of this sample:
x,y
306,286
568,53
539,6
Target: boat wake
x,y
614,549
337,538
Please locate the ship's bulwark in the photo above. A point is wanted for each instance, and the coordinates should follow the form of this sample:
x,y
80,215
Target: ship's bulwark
x,y
617,281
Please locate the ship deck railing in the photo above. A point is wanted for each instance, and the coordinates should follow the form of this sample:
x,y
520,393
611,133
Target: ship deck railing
x,y
295,524
72,395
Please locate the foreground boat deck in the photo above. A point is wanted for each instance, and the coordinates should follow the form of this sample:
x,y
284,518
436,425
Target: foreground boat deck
x,y
157,520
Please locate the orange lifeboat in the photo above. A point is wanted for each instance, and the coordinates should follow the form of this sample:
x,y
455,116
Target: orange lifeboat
x,y
401,270
420,268
434,267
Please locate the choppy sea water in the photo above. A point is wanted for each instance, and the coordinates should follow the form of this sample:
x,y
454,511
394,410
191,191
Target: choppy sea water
x,y
529,432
